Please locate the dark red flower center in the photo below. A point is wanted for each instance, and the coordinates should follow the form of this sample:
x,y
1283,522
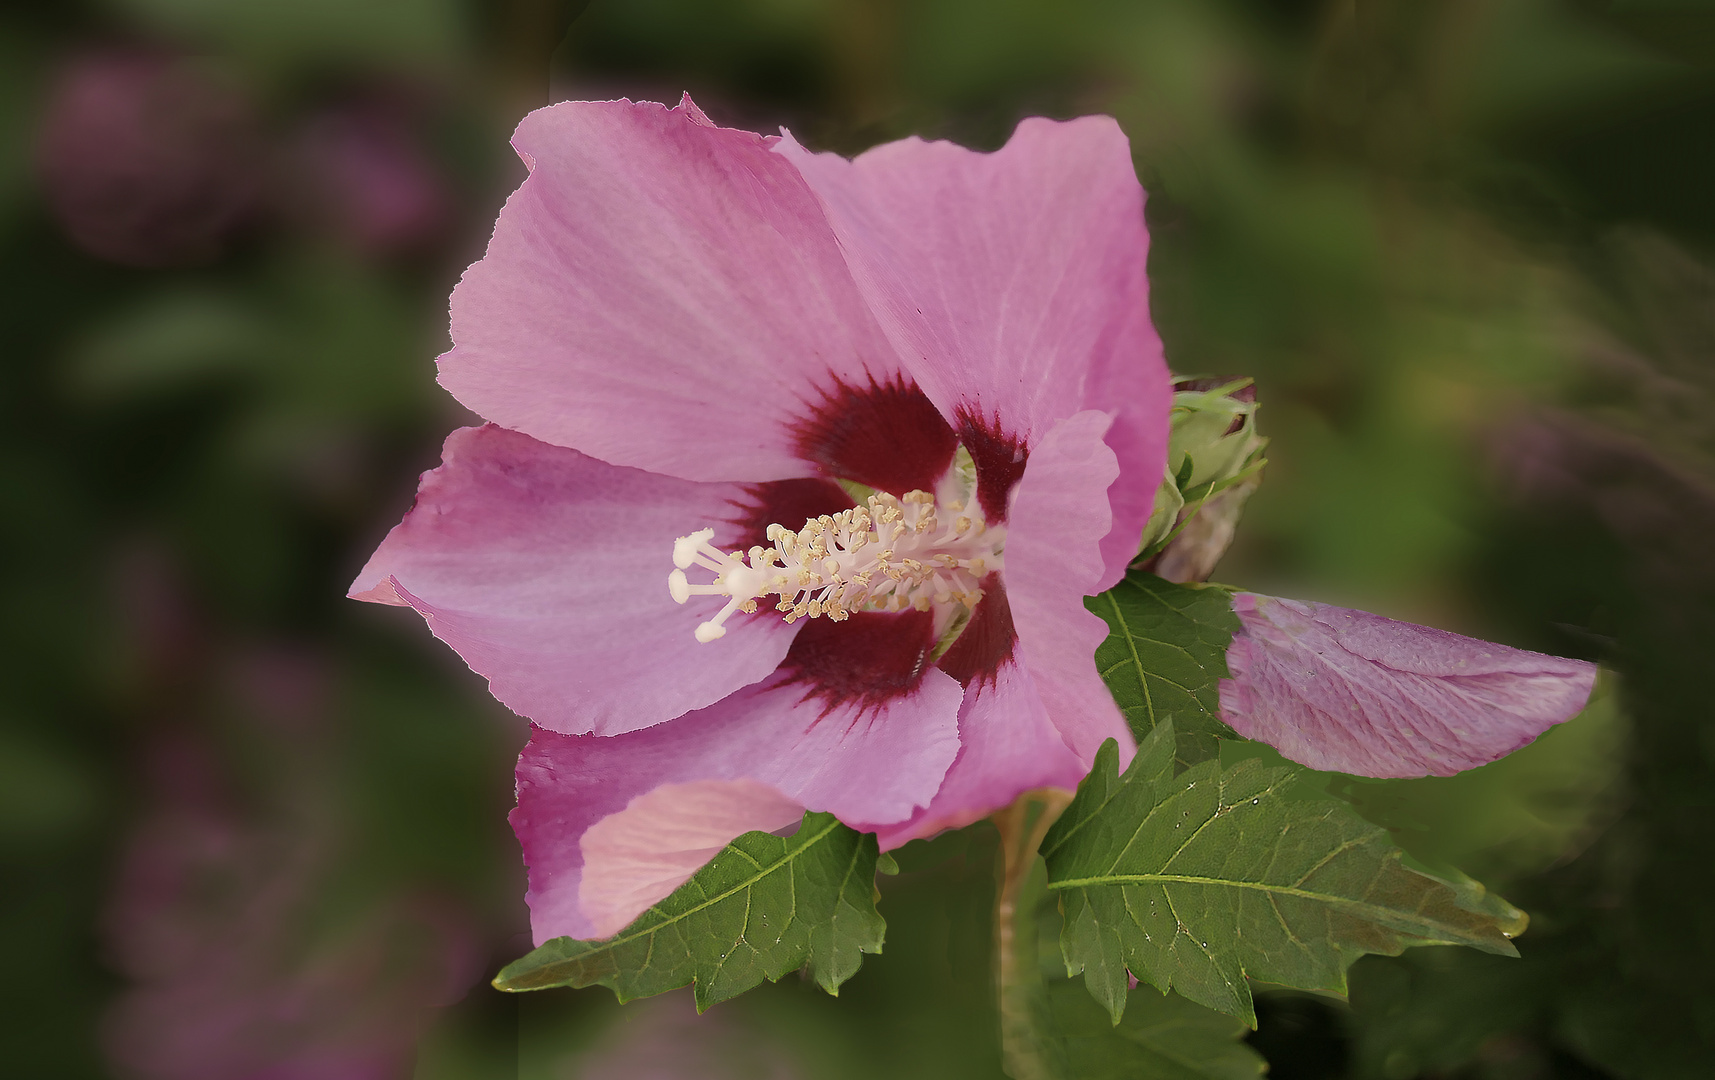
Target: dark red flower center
x,y
887,436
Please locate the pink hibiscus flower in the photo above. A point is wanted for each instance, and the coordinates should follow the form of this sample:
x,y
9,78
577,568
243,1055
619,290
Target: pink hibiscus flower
x,y
799,472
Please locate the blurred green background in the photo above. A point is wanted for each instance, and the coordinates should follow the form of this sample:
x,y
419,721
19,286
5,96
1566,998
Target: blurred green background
x,y
253,830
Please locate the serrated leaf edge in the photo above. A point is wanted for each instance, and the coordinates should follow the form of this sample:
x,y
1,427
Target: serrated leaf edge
x,y
1392,917
501,982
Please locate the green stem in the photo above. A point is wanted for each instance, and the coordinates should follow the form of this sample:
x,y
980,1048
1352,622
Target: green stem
x,y
1018,980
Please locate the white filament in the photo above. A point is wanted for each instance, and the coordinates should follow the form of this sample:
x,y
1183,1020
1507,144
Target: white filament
x,y
887,555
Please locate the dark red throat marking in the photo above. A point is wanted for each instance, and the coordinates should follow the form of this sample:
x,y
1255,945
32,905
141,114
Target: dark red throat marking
x,y
886,435
987,640
999,457
787,502
868,659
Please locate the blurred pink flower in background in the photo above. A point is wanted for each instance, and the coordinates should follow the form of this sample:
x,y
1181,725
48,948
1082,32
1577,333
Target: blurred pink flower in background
x,y
147,159
243,962
367,178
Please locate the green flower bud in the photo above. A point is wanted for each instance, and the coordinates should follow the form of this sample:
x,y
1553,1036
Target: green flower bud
x,y
1214,456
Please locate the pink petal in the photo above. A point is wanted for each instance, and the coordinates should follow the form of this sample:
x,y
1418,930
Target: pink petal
x,y
1013,285
1352,692
638,856
1054,560
1007,746
660,293
874,763
547,571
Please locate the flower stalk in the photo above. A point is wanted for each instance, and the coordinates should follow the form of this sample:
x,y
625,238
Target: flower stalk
x,y
1023,886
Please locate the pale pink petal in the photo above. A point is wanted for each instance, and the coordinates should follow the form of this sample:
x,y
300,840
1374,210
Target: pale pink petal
x,y
547,571
1352,692
1007,746
876,764
659,293
638,856
1013,285
1053,560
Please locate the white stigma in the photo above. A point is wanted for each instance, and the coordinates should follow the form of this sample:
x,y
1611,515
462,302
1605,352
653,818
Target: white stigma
x,y
887,555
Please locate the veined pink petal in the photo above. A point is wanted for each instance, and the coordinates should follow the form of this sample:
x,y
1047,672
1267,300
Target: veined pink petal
x,y
1013,286
638,856
1053,560
547,571
874,763
1352,692
660,293
1007,746
1139,442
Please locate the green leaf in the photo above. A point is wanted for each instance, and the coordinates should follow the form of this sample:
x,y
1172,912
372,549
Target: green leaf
x,y
764,906
1051,1029
1165,656
1182,479
1199,881
1160,1038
